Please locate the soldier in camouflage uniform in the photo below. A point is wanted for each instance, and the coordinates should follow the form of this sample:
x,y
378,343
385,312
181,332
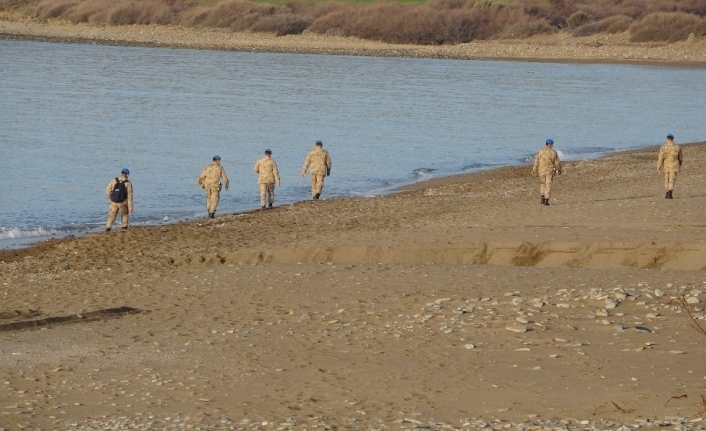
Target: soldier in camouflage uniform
x,y
268,175
546,165
124,206
669,161
320,162
210,181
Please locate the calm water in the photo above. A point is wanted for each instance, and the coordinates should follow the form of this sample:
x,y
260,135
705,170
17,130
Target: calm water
x,y
72,115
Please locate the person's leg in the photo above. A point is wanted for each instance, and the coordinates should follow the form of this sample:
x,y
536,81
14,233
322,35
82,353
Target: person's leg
x,y
125,214
263,194
215,198
313,185
672,180
271,193
547,186
112,212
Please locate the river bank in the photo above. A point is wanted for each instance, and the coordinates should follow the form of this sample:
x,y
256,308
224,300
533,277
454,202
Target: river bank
x,y
555,48
461,304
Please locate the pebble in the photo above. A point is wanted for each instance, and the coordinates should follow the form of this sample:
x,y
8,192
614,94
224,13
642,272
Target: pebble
x,y
642,329
610,304
520,329
693,300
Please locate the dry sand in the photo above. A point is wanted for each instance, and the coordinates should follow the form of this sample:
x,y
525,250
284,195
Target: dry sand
x,y
460,304
560,47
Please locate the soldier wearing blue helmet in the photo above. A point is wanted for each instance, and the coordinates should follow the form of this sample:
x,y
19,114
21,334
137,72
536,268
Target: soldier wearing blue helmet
x,y
210,181
546,165
119,192
669,160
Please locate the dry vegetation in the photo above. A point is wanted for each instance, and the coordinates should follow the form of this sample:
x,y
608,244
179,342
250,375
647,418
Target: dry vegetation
x,y
431,22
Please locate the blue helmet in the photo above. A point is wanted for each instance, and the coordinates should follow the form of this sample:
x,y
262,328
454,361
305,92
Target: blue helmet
x,y
670,136
216,157
319,143
125,171
550,142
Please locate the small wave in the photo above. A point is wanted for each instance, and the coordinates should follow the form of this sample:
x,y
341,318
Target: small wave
x,y
423,173
475,166
32,232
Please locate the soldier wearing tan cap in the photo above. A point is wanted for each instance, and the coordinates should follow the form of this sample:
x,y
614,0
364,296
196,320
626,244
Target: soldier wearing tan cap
x,y
210,181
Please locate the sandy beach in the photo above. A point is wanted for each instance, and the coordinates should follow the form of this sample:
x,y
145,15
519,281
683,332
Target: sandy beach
x,y
459,303
560,47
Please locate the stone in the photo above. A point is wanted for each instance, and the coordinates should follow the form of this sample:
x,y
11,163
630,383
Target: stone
x,y
520,329
693,300
642,329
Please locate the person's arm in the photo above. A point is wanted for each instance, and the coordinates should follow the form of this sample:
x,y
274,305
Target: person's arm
x,y
536,164
225,178
557,163
328,164
128,185
109,189
257,167
681,158
200,180
276,172
306,165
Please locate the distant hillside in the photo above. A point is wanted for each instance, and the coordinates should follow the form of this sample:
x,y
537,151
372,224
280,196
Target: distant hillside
x,y
432,22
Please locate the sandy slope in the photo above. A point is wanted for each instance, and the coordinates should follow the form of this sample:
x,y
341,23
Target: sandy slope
x,y
559,47
459,304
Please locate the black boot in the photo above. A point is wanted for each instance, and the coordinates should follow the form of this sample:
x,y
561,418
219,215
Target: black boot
x,y
107,229
316,196
546,201
669,194
270,205
211,215
541,201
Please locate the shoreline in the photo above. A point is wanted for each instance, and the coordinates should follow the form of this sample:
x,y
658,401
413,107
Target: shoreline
x,y
558,48
420,186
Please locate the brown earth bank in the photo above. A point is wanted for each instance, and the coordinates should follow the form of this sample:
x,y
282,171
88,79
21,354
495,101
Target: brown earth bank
x,y
559,47
460,303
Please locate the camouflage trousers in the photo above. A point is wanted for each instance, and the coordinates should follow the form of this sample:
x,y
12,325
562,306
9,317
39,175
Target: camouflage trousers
x,y
317,184
267,193
669,179
113,212
213,195
545,184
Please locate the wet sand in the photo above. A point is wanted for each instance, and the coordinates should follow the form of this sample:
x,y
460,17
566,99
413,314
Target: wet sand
x,y
461,303
559,47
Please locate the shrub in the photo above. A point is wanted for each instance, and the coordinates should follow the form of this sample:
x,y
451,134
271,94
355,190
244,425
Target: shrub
x,y
666,27
7,4
578,19
526,29
281,24
612,24
49,9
